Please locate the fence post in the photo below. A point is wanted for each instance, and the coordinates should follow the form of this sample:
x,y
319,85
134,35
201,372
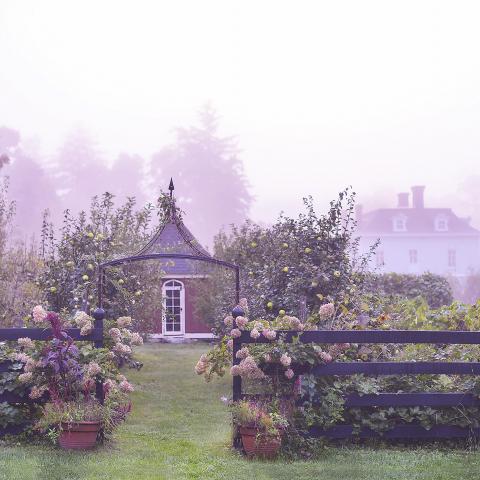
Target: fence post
x,y
99,315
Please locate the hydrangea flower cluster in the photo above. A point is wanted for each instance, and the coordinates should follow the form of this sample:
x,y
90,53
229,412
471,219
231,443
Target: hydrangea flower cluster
x,y
241,322
93,369
202,365
26,343
247,368
243,353
25,377
285,360
125,386
122,349
37,392
228,321
20,357
124,322
269,334
326,311
124,339
84,322
39,314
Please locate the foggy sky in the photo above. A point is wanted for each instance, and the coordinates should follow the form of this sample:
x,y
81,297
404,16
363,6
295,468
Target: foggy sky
x,y
381,95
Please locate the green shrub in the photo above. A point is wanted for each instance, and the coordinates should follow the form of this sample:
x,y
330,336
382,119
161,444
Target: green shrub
x,y
295,265
435,289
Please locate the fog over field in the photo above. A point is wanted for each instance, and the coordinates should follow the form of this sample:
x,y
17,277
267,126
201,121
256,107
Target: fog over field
x,y
316,95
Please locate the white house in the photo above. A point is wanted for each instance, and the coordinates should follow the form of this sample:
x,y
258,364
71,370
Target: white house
x,y
416,239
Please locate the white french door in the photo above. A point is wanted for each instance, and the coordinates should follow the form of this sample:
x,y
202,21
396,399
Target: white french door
x,y
173,322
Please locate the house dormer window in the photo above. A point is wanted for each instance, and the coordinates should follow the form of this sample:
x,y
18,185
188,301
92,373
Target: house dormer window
x,y
441,223
400,223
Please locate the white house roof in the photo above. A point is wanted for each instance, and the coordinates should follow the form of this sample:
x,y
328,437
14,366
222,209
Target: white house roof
x,y
416,219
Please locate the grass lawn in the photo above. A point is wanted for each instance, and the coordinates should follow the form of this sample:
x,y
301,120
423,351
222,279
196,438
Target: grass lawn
x,y
179,429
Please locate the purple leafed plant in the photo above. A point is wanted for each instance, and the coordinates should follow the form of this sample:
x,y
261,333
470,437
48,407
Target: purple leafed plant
x,y
60,362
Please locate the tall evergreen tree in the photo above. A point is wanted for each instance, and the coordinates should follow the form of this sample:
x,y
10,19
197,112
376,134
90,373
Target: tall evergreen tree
x,y
30,186
209,179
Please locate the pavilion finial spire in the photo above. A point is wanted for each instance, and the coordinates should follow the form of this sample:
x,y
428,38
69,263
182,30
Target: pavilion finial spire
x,y
172,210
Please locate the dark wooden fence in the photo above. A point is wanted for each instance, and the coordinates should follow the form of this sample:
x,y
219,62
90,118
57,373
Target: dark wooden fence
x,y
401,431
13,334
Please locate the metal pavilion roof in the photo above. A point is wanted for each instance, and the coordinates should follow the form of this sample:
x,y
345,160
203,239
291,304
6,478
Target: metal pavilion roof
x,y
173,237
175,245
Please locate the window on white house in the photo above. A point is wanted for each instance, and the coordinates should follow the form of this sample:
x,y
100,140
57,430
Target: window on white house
x,y
400,224
380,258
452,258
413,255
441,223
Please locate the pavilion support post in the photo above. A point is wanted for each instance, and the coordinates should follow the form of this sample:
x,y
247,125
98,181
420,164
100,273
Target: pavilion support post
x,y
237,379
237,284
101,273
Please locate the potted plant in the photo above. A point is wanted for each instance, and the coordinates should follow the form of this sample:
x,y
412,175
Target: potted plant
x,y
77,423
259,428
68,379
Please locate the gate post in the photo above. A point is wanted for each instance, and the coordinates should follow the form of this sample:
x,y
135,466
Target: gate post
x,y
237,345
99,315
237,379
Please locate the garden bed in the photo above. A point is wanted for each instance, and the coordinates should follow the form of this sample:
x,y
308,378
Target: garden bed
x,y
180,430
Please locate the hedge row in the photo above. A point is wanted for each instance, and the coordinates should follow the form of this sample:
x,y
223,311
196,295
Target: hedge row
x,y
435,289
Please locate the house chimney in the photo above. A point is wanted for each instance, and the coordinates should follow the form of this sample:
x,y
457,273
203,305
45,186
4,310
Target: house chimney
x,y
417,196
403,200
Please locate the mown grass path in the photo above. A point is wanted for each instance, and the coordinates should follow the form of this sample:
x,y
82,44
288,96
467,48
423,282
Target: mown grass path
x,y
179,429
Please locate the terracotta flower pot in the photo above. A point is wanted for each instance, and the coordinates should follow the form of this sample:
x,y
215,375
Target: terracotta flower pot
x,y
256,445
79,436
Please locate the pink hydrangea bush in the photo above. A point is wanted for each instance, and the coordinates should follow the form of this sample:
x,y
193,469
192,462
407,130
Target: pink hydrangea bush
x,y
271,353
122,341
274,371
252,363
61,371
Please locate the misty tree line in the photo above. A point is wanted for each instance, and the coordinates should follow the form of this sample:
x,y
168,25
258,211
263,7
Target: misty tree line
x,y
209,179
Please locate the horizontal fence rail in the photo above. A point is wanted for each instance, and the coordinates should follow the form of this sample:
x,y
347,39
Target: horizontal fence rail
x,y
397,368
412,399
13,334
427,399
372,336
10,334
11,397
398,432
